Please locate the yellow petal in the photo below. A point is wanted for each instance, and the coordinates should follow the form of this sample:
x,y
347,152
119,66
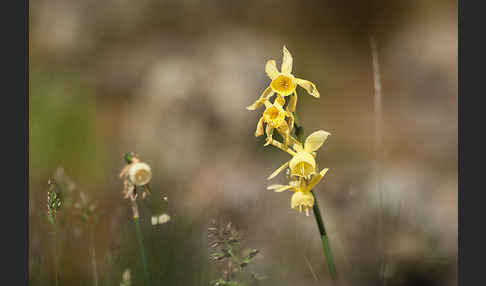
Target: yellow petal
x,y
276,172
284,130
279,188
271,69
291,121
316,179
265,95
309,86
286,61
315,140
269,131
259,128
293,102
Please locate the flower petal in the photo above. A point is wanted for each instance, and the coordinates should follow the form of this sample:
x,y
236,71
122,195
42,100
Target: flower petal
x,y
276,172
309,86
293,102
279,188
316,179
291,121
271,69
265,95
259,128
315,140
269,132
286,61
284,130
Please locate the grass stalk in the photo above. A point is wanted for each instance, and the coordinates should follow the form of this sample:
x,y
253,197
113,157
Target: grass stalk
x,y
94,266
299,133
378,147
136,219
56,257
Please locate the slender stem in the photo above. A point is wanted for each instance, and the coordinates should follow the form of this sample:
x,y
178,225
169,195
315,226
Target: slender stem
x,y
93,257
136,218
378,152
324,238
56,260
299,130
299,133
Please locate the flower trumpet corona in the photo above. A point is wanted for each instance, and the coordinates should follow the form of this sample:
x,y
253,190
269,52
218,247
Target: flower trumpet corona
x,y
274,116
284,83
303,163
302,199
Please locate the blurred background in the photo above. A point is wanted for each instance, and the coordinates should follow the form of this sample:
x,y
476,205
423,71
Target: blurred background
x,y
170,80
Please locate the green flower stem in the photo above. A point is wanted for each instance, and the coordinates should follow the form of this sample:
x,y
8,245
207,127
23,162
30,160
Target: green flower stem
x,y
299,130
299,133
324,238
136,218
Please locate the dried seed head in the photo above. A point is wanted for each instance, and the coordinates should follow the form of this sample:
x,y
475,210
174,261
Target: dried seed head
x,y
140,173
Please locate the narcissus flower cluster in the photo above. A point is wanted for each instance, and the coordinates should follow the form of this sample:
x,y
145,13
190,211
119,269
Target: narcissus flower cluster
x,y
280,100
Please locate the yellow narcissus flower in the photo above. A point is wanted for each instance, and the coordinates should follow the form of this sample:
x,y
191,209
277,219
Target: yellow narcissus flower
x,y
284,83
303,163
302,199
274,116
